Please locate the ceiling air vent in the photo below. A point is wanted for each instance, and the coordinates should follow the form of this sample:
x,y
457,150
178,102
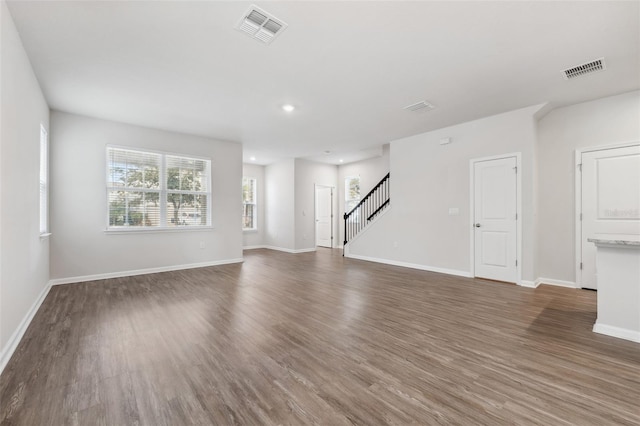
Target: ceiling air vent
x,y
260,25
419,106
583,69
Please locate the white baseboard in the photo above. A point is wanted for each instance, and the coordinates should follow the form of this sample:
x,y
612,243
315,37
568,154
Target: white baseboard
x,y
530,284
17,335
559,283
523,283
120,274
287,250
547,281
620,333
307,250
410,265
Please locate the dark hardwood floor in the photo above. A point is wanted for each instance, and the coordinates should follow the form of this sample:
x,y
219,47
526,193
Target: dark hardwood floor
x,y
315,338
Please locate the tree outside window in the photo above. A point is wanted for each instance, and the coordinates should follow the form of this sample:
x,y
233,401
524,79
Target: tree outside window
x,y
155,190
351,195
249,203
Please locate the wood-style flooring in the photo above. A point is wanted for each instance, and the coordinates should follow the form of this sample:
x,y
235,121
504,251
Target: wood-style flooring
x,y
315,338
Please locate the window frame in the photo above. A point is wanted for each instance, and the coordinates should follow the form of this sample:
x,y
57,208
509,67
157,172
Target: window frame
x,y
44,183
348,200
254,204
163,190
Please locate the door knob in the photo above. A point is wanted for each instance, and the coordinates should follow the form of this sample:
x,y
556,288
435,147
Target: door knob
x,y
477,225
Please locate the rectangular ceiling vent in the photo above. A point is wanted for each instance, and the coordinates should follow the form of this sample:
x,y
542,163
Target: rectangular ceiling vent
x,y
584,69
260,25
420,106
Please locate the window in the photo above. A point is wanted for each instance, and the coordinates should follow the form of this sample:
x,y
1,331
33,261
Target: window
x,y
44,182
249,203
152,190
351,192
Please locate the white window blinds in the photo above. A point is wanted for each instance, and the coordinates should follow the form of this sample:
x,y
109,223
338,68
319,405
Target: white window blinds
x,y
249,203
44,181
156,190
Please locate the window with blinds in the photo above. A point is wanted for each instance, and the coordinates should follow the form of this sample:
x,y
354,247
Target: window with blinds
x,y
249,204
154,190
44,181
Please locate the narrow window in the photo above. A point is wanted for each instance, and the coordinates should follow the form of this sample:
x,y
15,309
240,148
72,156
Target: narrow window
x,y
249,204
351,194
154,190
44,181
188,192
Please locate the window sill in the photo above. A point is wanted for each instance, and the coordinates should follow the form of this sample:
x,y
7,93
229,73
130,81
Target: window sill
x,y
115,231
250,231
45,236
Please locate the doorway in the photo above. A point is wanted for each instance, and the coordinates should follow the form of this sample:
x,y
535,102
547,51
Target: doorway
x,y
495,228
324,216
608,204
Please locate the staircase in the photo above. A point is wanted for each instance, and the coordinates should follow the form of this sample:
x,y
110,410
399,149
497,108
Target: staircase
x,y
367,209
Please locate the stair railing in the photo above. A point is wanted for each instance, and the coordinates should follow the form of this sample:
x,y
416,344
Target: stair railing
x,y
367,209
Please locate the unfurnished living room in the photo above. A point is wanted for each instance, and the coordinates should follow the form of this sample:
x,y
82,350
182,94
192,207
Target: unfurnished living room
x,y
319,212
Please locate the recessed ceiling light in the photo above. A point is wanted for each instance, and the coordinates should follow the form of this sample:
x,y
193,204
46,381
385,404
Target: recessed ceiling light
x,y
252,158
341,160
288,107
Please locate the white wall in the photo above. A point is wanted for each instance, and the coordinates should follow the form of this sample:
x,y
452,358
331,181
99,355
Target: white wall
x,y
308,174
428,178
371,171
24,264
256,238
80,246
279,204
602,122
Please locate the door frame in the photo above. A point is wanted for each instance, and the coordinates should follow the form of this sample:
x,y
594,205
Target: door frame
x,y
577,217
315,214
472,250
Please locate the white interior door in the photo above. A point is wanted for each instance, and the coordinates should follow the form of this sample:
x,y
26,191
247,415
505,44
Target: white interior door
x,y
610,202
495,220
324,223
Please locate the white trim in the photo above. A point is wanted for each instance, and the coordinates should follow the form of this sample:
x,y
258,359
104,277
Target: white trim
x,y
44,181
254,204
153,230
253,247
577,210
287,250
530,284
409,265
518,157
578,200
315,214
17,335
557,283
547,281
621,333
134,272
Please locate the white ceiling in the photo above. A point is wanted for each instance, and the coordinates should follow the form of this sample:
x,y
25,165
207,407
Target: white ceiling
x,y
348,67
